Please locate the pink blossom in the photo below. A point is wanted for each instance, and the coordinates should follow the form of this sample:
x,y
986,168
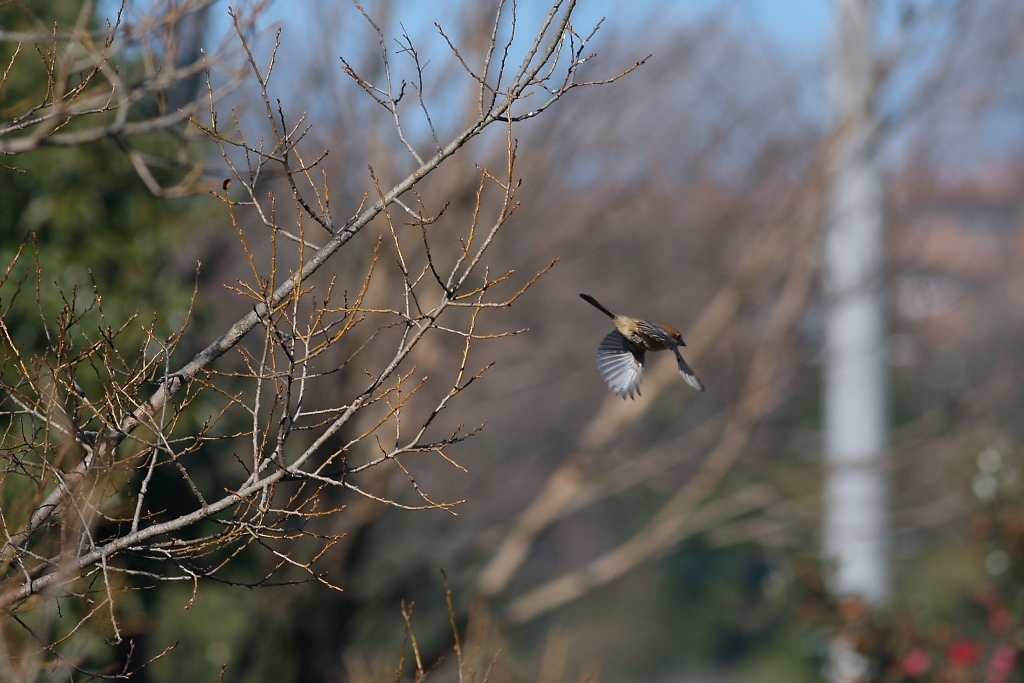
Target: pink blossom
x,y
1004,661
916,662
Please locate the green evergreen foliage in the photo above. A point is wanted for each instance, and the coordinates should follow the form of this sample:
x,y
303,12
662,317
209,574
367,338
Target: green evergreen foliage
x,y
83,212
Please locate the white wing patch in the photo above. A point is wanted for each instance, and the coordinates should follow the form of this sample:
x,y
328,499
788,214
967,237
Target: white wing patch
x,y
621,364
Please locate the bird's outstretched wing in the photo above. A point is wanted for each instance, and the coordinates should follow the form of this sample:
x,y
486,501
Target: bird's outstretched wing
x,y
621,364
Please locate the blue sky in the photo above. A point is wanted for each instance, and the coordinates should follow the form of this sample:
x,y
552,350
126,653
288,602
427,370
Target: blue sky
x,y
801,24
800,29
796,24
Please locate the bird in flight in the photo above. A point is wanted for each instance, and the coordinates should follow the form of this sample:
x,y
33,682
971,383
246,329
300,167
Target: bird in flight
x,y
620,355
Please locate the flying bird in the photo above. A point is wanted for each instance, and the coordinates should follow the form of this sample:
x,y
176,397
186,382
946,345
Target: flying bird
x,y
620,355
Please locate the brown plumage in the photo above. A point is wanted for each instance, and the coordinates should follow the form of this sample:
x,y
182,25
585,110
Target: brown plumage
x,y
620,355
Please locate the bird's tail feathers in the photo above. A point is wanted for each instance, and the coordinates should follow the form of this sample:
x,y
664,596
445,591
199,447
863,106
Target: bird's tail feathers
x,y
593,302
687,372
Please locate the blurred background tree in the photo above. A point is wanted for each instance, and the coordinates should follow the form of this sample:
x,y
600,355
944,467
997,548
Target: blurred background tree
x,y
94,220
676,537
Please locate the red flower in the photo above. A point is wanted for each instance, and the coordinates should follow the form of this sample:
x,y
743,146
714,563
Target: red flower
x,y
963,653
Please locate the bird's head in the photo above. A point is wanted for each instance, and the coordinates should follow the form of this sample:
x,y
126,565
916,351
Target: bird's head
x,y
676,335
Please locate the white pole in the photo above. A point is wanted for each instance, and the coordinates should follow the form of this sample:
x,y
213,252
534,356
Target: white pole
x,y
856,527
